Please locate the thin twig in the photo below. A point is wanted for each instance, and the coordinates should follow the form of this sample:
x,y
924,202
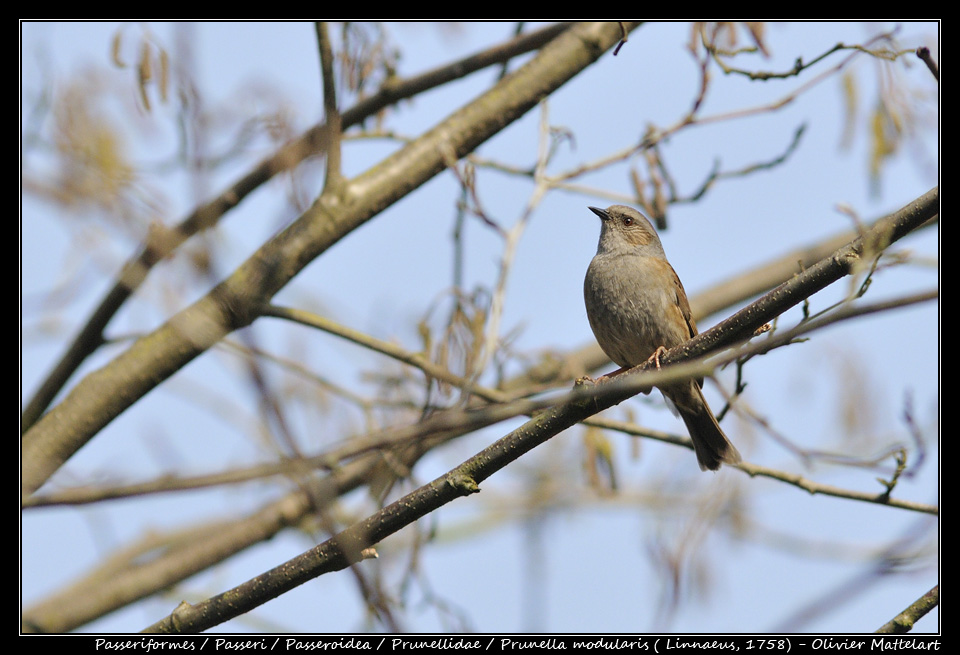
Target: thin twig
x,y
334,178
812,487
924,54
799,65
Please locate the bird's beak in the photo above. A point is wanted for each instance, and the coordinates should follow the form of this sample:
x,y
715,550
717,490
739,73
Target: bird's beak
x,y
602,213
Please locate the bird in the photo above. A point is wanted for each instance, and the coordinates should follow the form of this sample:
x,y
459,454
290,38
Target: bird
x,y
637,308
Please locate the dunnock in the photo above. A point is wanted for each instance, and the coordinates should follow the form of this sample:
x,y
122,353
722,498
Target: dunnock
x,y
637,306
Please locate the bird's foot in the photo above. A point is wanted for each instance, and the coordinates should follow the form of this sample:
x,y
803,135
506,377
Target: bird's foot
x,y
655,357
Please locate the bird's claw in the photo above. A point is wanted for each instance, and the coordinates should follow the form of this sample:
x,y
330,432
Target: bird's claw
x,y
655,357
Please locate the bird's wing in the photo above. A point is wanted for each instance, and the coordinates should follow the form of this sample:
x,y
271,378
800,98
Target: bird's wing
x,y
683,304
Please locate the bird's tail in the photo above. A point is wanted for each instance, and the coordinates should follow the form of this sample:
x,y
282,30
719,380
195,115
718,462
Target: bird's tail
x,y
709,442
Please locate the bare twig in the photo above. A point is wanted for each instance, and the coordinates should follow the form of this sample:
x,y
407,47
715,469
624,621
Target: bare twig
x,y
799,66
924,54
812,487
331,114
623,39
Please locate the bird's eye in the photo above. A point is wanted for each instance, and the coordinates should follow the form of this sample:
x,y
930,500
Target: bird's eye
x,y
627,220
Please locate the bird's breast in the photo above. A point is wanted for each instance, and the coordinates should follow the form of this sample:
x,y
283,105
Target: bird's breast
x,y
631,308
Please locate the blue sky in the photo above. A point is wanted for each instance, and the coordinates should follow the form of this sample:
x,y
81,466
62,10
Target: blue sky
x,y
585,566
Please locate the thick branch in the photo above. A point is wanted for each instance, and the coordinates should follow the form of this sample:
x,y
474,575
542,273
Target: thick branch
x,y
703,304
105,394
311,142
77,603
827,271
133,575
903,622
345,548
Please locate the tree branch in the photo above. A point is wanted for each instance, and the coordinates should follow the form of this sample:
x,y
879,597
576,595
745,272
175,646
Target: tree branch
x,y
903,622
927,58
100,593
331,114
106,393
703,304
462,422
843,262
161,243
346,547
